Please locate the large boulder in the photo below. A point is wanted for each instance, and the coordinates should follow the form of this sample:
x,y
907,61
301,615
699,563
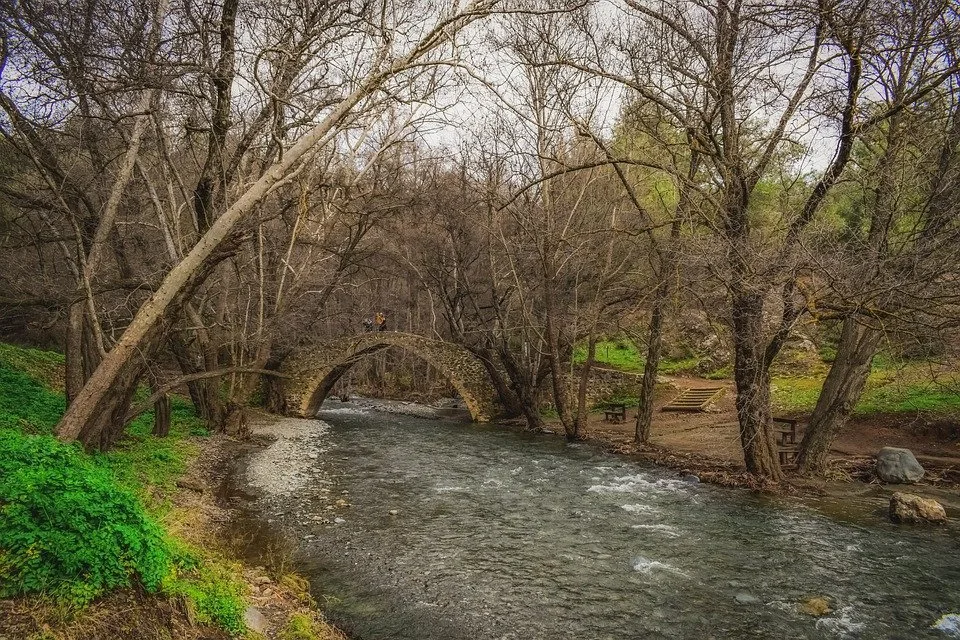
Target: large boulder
x,y
898,466
906,508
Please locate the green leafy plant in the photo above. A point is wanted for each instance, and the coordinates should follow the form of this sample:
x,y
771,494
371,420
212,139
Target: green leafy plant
x,y
67,529
75,525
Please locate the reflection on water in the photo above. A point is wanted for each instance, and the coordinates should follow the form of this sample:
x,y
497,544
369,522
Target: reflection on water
x,y
498,534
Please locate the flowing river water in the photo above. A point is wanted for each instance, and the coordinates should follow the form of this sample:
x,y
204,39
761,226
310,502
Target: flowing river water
x,y
458,531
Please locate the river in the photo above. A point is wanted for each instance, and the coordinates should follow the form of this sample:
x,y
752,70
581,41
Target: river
x,y
459,531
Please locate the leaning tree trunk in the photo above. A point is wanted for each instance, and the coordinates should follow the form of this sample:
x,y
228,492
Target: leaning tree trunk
x,y
112,410
841,392
752,377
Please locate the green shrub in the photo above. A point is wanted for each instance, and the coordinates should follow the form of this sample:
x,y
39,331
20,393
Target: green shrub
x,y
68,530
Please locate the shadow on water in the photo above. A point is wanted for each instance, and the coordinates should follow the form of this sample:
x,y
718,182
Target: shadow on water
x,y
459,531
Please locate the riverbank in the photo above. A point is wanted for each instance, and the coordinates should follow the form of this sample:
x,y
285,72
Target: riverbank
x,y
707,444
134,543
277,603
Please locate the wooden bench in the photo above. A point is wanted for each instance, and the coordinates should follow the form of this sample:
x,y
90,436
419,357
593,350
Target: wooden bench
x,y
787,447
615,413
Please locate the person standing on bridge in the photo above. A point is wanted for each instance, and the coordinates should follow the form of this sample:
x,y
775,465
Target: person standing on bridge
x,y
381,321
368,324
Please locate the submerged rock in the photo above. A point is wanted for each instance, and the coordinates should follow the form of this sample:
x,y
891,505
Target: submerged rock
x,y
898,466
746,598
907,507
816,606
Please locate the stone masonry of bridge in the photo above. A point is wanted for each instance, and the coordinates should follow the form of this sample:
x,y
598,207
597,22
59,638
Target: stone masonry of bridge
x,y
313,371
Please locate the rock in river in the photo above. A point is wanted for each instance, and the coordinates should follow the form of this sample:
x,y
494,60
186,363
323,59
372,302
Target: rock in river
x,y
898,466
906,507
816,606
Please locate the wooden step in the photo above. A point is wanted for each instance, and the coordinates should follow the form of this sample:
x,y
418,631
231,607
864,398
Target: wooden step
x,y
693,399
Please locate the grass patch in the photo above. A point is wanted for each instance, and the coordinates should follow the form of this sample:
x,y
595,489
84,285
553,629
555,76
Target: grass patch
x,y
301,626
43,367
892,387
683,365
25,404
922,397
212,585
74,525
795,394
723,373
618,353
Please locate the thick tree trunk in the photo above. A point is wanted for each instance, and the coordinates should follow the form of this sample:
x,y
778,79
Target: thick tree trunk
x,y
102,433
752,377
841,392
553,359
508,399
524,386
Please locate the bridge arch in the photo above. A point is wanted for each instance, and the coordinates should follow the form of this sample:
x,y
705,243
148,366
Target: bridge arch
x,y
312,372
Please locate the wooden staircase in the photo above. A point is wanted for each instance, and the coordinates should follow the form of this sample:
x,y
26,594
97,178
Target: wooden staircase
x,y
693,400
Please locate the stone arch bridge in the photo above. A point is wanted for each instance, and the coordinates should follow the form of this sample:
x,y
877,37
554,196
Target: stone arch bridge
x,y
312,372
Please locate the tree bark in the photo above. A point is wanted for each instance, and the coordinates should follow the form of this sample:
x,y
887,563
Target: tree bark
x,y
524,386
508,399
107,428
752,377
652,363
222,80
580,418
161,417
841,391
204,393
553,358
82,351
